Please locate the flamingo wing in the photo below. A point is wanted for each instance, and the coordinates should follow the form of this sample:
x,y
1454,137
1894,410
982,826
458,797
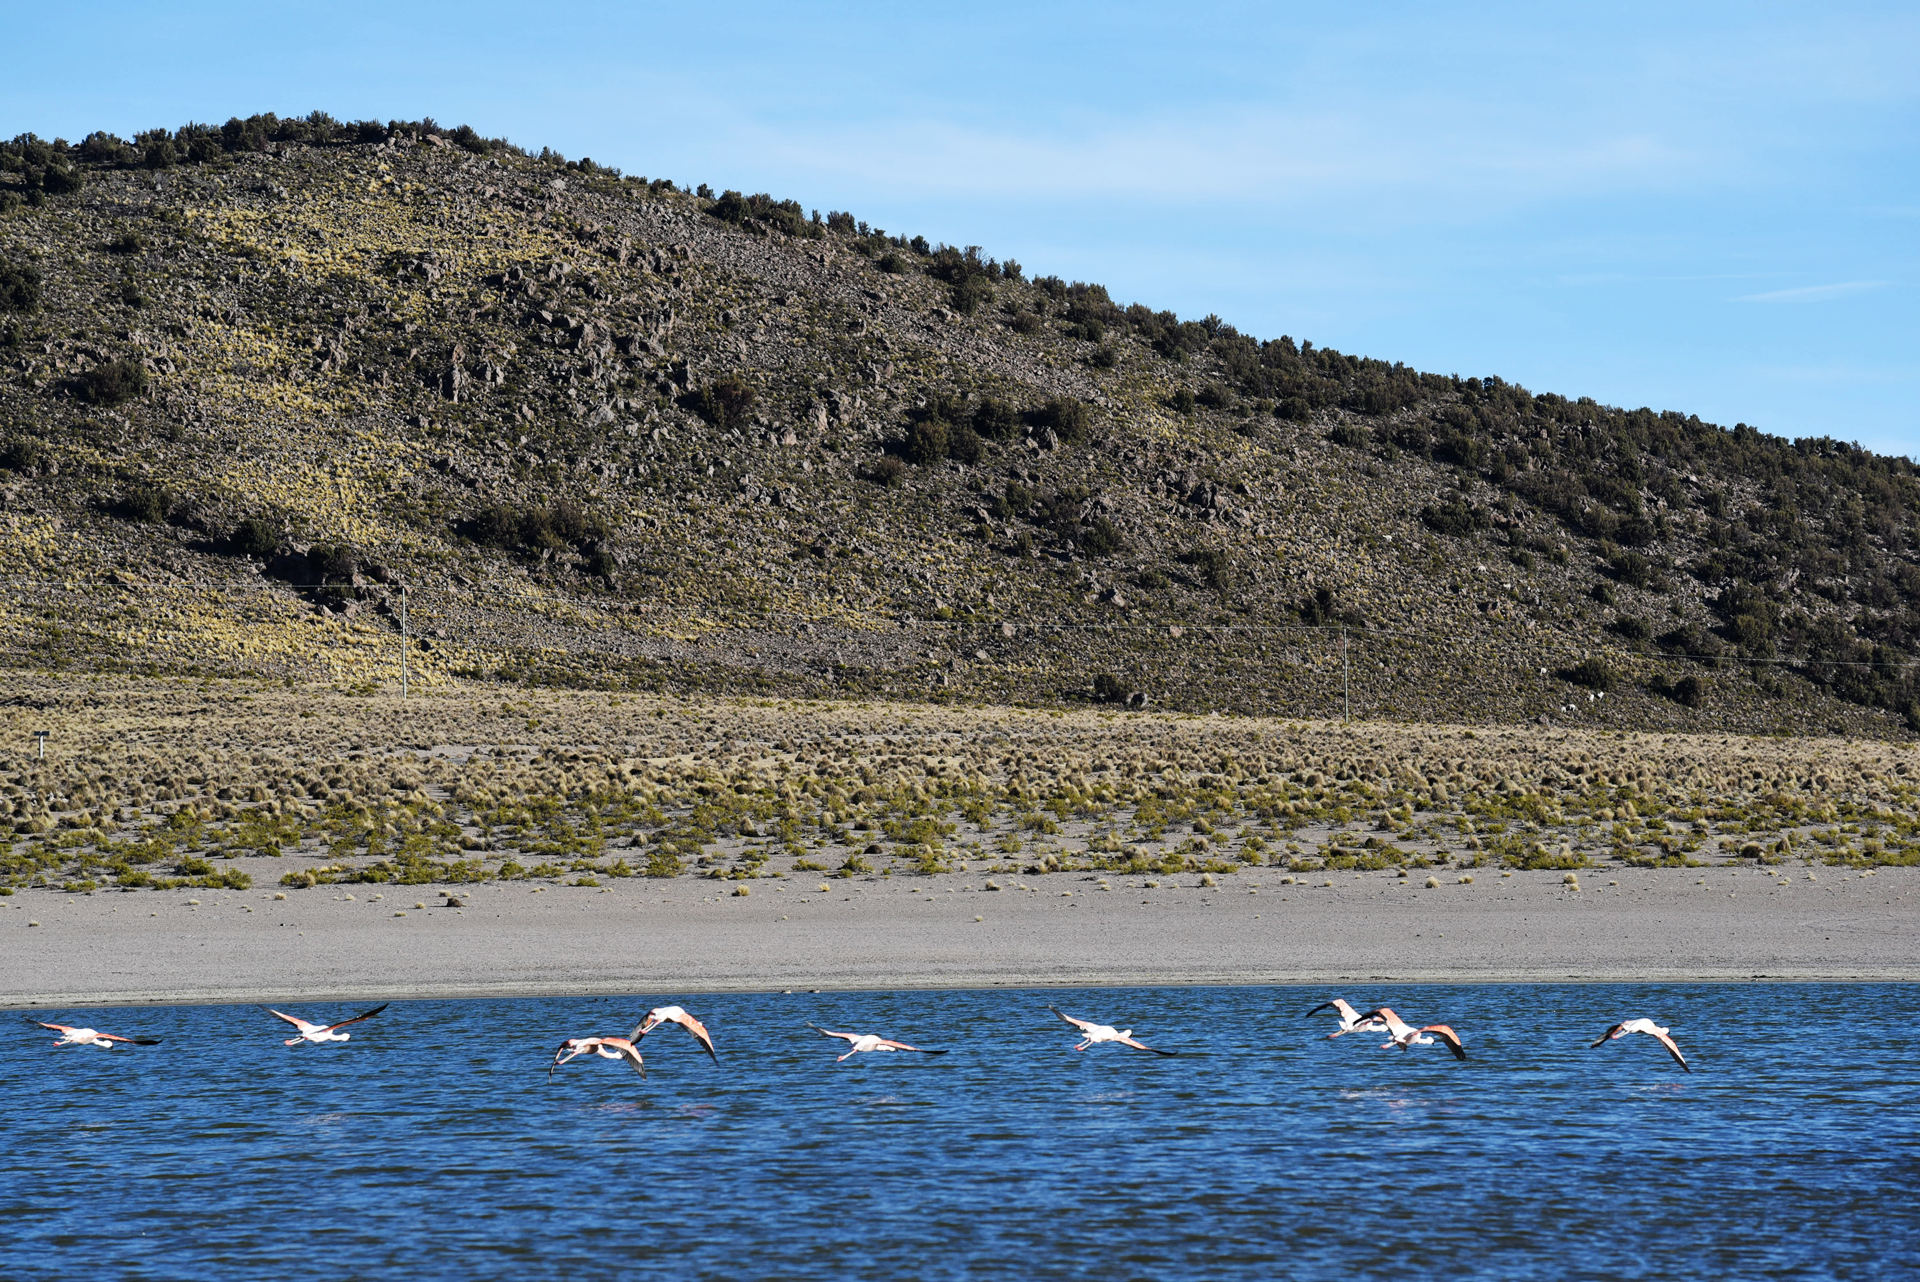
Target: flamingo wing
x,y
1447,1035
1083,1025
1142,1046
300,1024
632,1056
58,1028
827,1032
699,1032
1607,1036
1672,1050
365,1014
1335,1004
890,1044
131,1041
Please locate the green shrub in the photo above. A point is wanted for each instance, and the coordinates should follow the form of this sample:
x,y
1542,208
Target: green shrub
x,y
19,286
22,454
1455,517
725,402
757,210
892,263
256,537
1689,691
111,383
332,563
1630,568
1065,415
1592,673
1351,435
1212,566
1631,628
963,444
1099,538
887,471
142,501
564,525
995,420
926,442
1182,401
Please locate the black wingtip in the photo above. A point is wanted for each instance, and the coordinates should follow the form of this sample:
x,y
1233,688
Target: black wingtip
x,y
144,1041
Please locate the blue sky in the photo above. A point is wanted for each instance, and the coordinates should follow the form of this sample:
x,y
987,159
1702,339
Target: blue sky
x,y
1706,207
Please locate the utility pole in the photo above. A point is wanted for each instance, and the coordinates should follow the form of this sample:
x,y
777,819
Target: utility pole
x,y
40,742
1346,679
403,643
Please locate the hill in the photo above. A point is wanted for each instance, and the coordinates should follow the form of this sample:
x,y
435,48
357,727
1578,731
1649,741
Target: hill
x,y
255,380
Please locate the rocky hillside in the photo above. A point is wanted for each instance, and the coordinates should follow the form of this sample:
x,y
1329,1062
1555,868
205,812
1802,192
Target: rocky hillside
x,y
257,380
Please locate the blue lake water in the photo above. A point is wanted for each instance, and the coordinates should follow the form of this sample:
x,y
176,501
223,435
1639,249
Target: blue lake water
x,y
433,1144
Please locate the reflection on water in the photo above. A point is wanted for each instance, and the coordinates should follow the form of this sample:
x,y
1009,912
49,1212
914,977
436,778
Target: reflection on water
x,y
433,1144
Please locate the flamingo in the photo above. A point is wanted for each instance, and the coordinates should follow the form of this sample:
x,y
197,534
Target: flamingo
x,y
71,1036
323,1032
604,1047
1648,1027
1092,1034
1350,1020
676,1015
1402,1034
870,1042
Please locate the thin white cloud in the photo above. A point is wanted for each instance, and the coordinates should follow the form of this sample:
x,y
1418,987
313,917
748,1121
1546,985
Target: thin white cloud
x,y
1259,156
1813,293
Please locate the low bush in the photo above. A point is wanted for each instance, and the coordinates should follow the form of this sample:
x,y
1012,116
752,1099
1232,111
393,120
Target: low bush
x,y
111,383
143,501
22,454
255,536
995,420
1592,673
1454,517
926,442
533,530
1212,565
726,402
19,286
1631,628
1066,416
1689,691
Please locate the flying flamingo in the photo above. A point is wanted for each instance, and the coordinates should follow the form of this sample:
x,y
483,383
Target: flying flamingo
x,y
1350,1021
1648,1027
323,1032
71,1036
869,1042
1402,1034
604,1047
675,1015
1092,1034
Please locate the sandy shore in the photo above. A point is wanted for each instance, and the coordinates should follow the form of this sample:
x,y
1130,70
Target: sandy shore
x,y
685,935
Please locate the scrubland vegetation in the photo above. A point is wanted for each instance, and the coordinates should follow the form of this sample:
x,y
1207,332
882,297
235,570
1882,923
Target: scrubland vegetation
x,y
163,784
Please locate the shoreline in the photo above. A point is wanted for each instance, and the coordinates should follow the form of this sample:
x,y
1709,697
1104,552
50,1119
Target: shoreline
x,y
340,943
